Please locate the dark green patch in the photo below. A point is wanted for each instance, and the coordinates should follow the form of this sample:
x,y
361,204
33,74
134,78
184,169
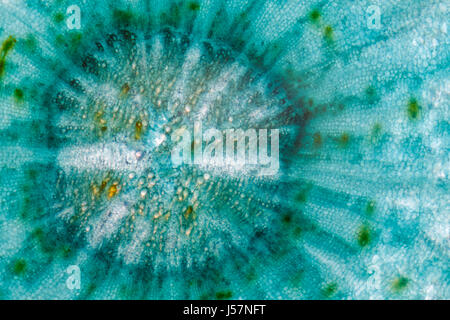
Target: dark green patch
x,y
123,16
328,33
371,94
287,218
43,240
400,284
344,140
60,40
71,41
90,289
413,109
19,267
317,138
194,6
50,244
58,17
26,209
364,236
75,39
37,233
250,275
297,232
329,290
66,251
18,95
302,195
31,173
204,296
314,16
243,18
222,295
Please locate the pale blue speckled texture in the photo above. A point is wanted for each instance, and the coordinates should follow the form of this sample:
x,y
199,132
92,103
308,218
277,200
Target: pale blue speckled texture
x,y
358,210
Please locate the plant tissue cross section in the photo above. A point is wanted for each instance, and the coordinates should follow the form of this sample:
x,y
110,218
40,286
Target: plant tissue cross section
x,y
346,101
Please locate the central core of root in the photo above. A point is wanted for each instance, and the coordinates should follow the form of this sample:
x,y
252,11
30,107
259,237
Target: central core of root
x,y
130,178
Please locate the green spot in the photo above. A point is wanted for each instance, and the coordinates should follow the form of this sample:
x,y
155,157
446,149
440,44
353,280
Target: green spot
x,y
400,284
297,232
328,33
413,109
60,40
123,16
329,290
42,238
90,289
66,251
375,133
376,130
26,208
243,17
371,94
71,40
38,234
317,138
204,296
370,207
302,195
30,43
18,95
344,140
314,15
287,218
250,275
363,236
19,267
75,39
222,295
370,91
58,17
194,6
48,244
31,173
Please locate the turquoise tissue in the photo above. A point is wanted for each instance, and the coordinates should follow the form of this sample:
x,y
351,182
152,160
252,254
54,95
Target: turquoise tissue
x,y
209,149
